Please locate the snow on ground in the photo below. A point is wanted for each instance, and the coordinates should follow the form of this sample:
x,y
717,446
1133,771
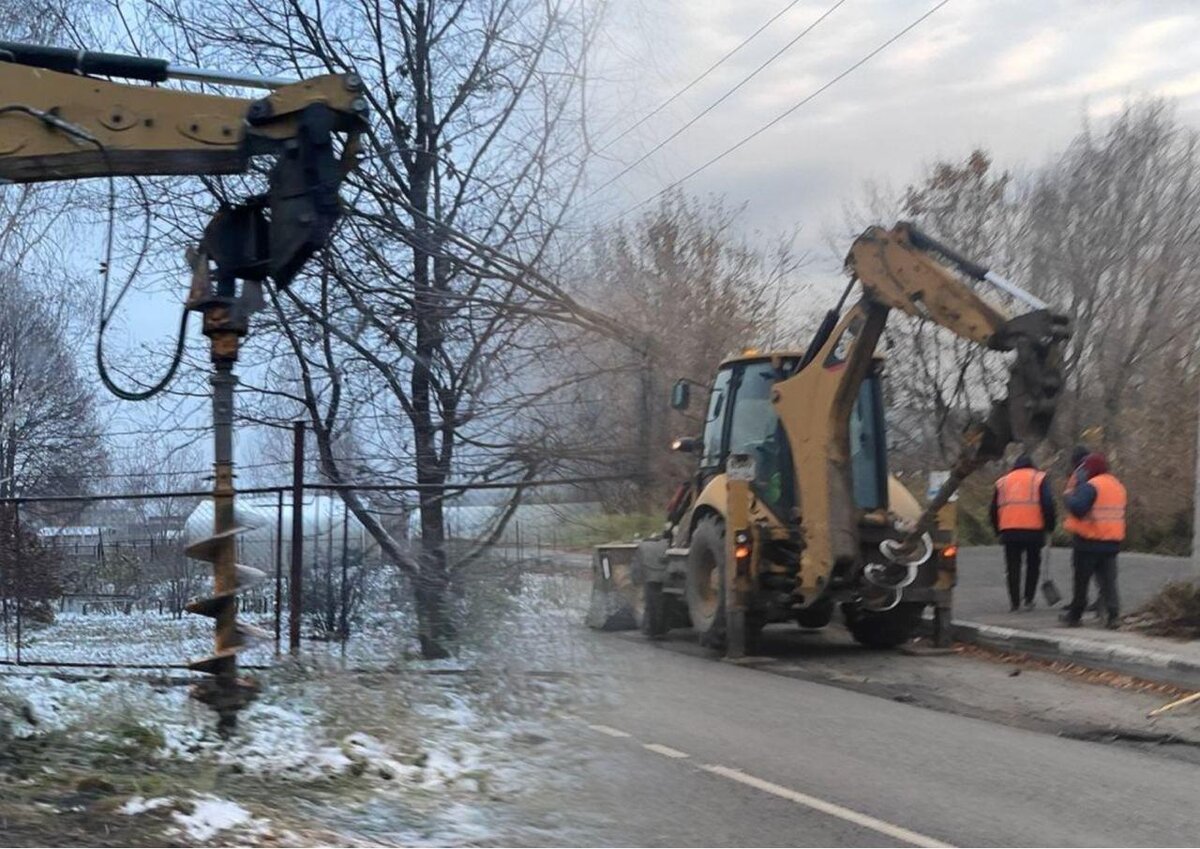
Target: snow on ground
x,y
520,618
458,733
210,816
135,638
139,805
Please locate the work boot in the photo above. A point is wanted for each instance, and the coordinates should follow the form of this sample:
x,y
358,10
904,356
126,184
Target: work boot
x,y
1070,620
1030,604
1113,623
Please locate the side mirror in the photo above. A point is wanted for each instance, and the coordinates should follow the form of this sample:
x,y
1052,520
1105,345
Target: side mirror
x,y
687,445
681,395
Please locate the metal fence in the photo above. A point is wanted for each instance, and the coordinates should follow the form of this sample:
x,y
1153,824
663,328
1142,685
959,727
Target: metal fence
x,y
103,581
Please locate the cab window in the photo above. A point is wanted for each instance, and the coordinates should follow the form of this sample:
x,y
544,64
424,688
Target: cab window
x,y
868,448
714,421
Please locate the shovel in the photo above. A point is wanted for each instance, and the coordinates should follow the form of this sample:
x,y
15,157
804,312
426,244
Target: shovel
x,y
1049,589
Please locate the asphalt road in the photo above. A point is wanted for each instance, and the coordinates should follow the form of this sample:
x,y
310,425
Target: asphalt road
x,y
693,751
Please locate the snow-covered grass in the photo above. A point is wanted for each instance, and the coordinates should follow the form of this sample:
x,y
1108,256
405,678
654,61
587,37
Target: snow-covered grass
x,y
503,612
136,638
356,724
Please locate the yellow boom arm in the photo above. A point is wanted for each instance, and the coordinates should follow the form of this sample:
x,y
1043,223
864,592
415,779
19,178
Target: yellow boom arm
x,y
901,269
57,123
140,130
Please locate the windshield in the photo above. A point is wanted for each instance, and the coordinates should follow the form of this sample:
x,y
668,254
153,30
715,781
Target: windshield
x,y
754,418
754,430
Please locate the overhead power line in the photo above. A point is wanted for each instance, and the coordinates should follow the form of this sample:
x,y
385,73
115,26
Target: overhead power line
x,y
697,80
791,109
746,79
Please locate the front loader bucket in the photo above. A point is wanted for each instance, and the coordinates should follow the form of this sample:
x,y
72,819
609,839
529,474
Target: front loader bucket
x,y
614,590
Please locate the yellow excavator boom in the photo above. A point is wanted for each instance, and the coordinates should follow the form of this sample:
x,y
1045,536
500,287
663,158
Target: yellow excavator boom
x,y
47,117
904,269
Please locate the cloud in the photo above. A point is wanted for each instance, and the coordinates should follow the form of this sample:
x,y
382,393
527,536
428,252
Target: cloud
x,y
1029,59
1013,77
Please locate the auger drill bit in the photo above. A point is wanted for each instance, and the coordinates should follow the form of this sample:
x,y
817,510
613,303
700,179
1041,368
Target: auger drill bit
x,y
225,691
226,319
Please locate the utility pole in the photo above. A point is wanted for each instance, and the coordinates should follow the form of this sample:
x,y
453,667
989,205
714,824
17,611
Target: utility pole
x,y
1196,499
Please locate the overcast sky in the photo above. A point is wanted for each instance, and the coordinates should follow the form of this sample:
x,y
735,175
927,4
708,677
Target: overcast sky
x,y
1013,76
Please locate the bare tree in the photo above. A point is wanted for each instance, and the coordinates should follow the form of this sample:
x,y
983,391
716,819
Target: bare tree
x,y
1109,232
405,334
1114,238
690,290
940,380
159,473
49,438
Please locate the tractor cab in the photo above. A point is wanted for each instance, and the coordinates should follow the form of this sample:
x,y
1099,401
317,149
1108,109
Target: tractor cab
x,y
740,418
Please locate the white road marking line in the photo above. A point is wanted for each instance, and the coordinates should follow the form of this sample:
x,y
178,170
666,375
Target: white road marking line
x,y
667,751
609,730
893,831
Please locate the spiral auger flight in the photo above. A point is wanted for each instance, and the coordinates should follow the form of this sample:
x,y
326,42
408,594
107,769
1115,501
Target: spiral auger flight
x,y
224,690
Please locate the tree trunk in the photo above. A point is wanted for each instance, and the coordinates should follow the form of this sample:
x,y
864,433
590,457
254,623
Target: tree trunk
x,y
435,629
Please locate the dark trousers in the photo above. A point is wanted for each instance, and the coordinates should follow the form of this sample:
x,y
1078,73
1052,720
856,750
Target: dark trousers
x,y
1013,552
1102,566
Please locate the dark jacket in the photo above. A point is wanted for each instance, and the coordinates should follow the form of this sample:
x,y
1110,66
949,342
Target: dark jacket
x,y
1049,514
1079,503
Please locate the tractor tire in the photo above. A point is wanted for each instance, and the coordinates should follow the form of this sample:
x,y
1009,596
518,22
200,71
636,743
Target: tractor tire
x,y
704,586
883,630
654,611
815,616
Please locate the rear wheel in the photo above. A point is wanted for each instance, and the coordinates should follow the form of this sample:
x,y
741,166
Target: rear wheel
x,y
884,630
705,581
815,616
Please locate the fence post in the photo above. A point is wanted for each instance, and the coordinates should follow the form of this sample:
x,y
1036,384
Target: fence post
x,y
18,572
295,597
4,584
278,569
344,619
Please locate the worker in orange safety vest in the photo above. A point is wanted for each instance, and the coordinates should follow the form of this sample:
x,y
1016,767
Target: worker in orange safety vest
x,y
1022,513
1078,455
1096,505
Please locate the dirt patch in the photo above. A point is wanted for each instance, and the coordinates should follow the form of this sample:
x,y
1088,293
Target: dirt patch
x,y
1078,672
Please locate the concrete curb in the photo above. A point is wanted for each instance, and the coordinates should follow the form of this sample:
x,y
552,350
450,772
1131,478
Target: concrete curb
x,y
1159,667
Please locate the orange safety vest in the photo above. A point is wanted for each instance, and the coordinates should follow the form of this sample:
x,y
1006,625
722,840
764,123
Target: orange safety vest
x,y
1019,500
1106,520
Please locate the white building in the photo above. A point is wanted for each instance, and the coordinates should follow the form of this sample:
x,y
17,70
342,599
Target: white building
x,y
328,525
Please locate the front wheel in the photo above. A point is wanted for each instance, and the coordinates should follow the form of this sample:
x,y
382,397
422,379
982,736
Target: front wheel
x,y
884,630
705,583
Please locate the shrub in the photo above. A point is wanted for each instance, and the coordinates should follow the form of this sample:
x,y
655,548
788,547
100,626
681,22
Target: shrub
x,y
1173,612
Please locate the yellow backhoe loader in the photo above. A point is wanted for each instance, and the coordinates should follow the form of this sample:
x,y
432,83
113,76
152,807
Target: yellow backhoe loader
x,y
60,119
791,513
